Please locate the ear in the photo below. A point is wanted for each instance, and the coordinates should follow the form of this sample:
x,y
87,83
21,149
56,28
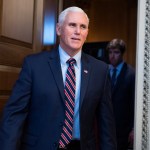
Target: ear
x,y
58,29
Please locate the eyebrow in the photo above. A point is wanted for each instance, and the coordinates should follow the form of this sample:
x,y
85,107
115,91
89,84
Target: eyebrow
x,y
73,23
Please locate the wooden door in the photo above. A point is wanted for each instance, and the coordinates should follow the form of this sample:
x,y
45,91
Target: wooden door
x,y
21,33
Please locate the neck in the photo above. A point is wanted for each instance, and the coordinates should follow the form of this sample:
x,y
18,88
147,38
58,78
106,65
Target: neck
x,y
70,52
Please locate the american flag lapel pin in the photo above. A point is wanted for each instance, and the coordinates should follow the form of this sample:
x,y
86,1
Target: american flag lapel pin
x,y
85,71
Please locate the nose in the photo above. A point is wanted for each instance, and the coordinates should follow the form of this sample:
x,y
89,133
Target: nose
x,y
77,30
111,55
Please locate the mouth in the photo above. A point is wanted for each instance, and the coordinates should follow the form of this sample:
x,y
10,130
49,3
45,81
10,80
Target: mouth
x,y
76,39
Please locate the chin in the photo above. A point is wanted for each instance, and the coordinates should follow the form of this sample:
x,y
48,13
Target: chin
x,y
75,48
76,45
113,64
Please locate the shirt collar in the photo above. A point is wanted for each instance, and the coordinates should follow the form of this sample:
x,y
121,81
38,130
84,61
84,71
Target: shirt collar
x,y
64,57
118,67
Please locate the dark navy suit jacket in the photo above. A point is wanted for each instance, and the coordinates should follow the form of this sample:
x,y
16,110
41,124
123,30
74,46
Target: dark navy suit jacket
x,y
34,115
123,104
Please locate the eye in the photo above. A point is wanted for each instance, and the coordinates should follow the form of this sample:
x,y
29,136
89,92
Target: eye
x,y
83,26
72,24
117,52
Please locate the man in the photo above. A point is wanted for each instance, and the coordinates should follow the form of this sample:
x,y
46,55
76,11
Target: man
x,y
123,84
58,96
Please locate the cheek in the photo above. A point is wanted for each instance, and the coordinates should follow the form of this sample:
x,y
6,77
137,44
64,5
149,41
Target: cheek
x,y
117,57
66,34
84,36
110,56
63,31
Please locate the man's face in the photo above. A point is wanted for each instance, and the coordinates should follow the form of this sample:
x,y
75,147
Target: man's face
x,y
73,32
115,57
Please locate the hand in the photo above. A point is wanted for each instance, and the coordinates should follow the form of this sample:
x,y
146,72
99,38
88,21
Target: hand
x,y
131,138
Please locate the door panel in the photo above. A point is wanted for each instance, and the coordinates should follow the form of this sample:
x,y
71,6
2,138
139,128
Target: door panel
x,y
21,30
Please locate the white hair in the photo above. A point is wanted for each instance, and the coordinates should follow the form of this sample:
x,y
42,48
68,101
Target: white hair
x,y
63,14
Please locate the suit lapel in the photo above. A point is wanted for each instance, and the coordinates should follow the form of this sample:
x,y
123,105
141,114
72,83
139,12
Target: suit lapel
x,y
55,67
54,62
85,73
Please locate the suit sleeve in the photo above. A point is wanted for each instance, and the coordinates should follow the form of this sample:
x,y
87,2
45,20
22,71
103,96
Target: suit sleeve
x,y
15,111
132,92
106,119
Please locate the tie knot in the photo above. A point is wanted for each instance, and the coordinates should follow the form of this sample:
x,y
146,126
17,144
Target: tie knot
x,y
71,61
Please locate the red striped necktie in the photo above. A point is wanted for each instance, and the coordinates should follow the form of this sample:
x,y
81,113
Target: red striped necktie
x,y
69,90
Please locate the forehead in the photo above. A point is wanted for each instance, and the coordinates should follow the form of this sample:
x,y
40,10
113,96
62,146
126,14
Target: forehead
x,y
76,17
